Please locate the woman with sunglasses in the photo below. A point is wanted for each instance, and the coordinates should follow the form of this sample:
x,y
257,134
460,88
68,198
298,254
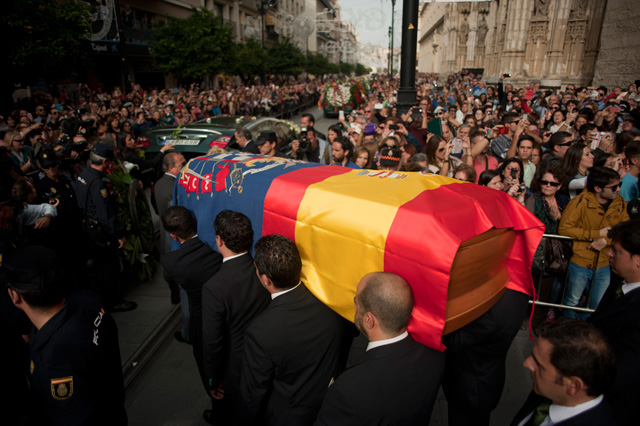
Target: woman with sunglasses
x,y
547,204
19,152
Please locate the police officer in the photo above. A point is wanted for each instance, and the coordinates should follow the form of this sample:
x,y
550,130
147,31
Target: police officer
x,y
74,368
102,231
55,188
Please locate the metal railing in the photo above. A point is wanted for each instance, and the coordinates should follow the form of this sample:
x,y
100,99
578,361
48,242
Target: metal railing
x,y
542,275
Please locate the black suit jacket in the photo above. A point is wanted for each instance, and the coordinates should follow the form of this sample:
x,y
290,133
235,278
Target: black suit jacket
x,y
251,148
231,299
190,267
601,414
163,190
291,353
395,384
476,356
619,320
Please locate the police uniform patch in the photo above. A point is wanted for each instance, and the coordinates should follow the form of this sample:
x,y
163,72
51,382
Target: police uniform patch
x,y
62,389
104,193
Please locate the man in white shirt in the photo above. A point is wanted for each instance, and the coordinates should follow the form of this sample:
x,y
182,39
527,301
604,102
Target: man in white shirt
x,y
618,317
408,372
572,366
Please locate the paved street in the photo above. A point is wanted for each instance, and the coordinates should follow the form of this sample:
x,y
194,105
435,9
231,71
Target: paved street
x,y
169,391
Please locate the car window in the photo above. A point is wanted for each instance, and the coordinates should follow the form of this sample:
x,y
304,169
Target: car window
x,y
283,133
259,127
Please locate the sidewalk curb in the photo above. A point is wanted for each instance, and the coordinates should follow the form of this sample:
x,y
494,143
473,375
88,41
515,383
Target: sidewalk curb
x,y
156,340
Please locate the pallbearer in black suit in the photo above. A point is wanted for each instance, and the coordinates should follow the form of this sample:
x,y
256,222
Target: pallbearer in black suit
x,y
398,380
231,299
618,316
291,350
189,267
572,365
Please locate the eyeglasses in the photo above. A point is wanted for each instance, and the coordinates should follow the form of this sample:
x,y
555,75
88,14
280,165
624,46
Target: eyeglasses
x,y
39,140
565,143
441,149
547,182
614,187
19,140
367,111
55,112
516,100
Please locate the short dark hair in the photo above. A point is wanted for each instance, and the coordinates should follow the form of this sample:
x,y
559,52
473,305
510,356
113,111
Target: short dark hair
x,y
580,350
311,118
510,117
526,138
587,127
235,230
346,145
557,139
179,221
388,297
277,257
600,177
632,150
628,235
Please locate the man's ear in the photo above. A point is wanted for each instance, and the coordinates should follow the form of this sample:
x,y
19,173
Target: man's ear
x,y
370,320
173,236
15,296
574,385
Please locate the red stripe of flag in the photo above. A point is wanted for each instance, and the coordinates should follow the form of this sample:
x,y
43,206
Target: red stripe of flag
x,y
285,194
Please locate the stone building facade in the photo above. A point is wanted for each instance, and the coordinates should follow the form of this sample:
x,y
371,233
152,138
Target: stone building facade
x,y
553,41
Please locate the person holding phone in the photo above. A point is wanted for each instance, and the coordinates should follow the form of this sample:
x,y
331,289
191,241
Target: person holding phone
x,y
512,172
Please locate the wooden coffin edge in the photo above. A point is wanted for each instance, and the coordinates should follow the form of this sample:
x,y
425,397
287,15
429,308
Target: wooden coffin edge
x,y
477,281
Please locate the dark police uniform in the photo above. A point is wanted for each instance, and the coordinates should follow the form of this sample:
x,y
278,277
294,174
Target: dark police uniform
x,y
67,228
75,372
91,186
99,203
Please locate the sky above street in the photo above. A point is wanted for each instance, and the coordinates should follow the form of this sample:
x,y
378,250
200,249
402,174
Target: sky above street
x,y
372,19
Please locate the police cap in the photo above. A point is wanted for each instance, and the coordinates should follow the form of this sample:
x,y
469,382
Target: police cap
x,y
30,268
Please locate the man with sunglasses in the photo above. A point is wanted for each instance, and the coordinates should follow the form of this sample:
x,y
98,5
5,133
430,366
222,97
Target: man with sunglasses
x,y
589,216
558,145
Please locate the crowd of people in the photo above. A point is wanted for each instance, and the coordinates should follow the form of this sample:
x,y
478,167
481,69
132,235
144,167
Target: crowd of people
x,y
268,352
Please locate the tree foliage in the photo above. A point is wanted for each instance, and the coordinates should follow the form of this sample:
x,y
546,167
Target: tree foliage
x,y
285,58
250,58
193,47
361,69
43,36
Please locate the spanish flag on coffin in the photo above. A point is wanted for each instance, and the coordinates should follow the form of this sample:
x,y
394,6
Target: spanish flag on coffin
x,y
457,244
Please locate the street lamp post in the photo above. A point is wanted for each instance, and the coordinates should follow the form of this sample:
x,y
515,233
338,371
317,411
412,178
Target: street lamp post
x,y
393,7
407,91
264,6
390,56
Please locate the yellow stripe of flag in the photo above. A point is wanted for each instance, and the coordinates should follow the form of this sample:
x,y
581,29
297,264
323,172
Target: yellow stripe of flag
x,y
331,218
